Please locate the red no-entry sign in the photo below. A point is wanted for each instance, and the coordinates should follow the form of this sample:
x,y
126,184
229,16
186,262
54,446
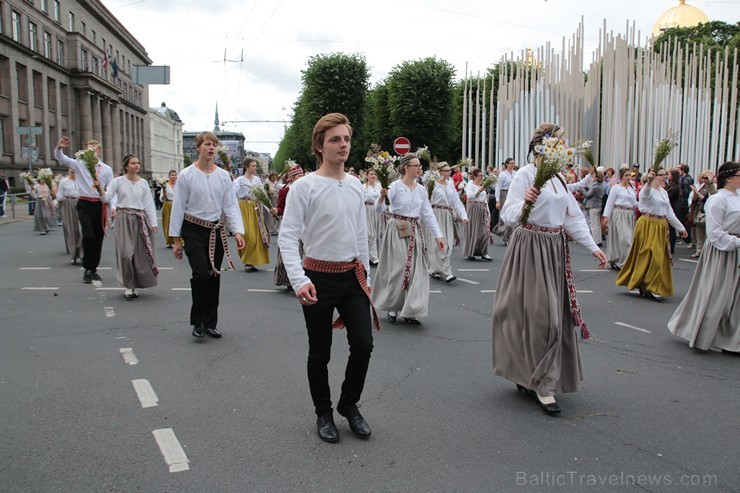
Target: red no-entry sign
x,y
401,145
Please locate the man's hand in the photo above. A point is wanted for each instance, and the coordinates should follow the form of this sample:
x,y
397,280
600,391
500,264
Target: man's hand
x,y
602,258
440,243
63,142
177,248
240,243
307,295
155,229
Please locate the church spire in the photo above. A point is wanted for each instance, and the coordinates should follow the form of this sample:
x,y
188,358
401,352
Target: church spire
x,y
215,121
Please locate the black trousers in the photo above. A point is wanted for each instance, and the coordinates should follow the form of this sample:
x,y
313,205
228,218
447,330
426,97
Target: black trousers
x,y
205,287
90,215
682,214
343,292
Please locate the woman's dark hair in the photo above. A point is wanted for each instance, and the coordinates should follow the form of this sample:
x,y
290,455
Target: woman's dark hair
x,y
544,130
246,162
675,178
126,159
507,161
725,172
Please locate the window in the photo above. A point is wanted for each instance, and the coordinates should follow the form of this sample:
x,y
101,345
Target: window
x,y
57,11
16,23
4,76
47,45
71,22
45,6
83,61
60,52
2,136
38,89
64,98
94,37
51,89
33,36
95,66
83,28
21,76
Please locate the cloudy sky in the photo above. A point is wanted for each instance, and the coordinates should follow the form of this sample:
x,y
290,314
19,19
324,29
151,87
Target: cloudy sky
x,y
266,44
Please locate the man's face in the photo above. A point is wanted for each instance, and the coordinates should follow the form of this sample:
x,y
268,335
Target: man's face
x,y
336,146
207,150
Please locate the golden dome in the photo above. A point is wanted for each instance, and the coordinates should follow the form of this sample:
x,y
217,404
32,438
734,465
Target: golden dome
x,y
682,15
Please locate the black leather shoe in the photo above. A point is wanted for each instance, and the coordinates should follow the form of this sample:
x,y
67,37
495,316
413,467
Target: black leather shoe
x,y
450,279
486,258
357,423
87,277
552,408
96,277
213,332
411,321
392,318
327,429
198,331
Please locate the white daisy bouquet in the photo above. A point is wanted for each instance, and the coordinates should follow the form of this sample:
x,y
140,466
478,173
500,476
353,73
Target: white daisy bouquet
x,y
490,180
223,154
46,177
663,148
430,180
28,178
585,150
384,165
258,193
88,157
423,154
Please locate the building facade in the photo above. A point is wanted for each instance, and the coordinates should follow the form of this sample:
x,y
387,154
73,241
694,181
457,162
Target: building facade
x,y
66,69
233,141
166,141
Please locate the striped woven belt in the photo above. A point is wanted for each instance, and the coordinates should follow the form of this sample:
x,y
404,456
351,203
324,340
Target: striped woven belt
x,y
213,226
624,208
369,202
145,231
443,207
415,226
652,216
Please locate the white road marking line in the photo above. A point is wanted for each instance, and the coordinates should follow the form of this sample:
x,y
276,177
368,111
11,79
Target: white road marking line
x,y
121,337
474,270
594,270
487,290
435,291
34,268
109,289
41,288
467,281
266,290
689,260
164,268
632,327
584,291
145,392
99,268
109,311
128,356
181,289
173,453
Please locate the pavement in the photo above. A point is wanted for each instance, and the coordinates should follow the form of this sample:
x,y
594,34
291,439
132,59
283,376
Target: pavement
x,y
99,393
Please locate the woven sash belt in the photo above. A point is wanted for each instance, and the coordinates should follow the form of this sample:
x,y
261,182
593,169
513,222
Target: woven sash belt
x,y
218,225
415,226
144,231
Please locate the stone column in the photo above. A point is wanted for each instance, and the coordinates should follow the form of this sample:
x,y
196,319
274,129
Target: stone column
x,y
116,137
97,124
86,130
107,133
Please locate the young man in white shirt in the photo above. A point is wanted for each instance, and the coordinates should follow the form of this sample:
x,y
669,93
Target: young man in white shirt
x,y
326,210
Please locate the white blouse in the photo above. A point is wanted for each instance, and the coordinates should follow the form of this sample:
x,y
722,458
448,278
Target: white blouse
x,y
242,186
471,190
84,180
169,191
371,193
447,196
205,196
68,189
621,196
129,194
555,207
655,201
723,219
504,182
329,216
411,203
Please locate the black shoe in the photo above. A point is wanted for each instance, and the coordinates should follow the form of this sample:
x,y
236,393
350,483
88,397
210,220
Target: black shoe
x,y
392,318
356,422
373,263
470,258
87,277
198,331
486,258
327,429
250,268
552,408
213,332
96,277
411,321
450,279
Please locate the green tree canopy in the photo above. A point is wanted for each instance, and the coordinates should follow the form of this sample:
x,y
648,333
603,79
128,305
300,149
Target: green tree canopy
x,y
714,35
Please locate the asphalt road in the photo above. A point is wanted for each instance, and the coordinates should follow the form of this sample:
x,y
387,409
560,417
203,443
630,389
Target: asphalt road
x,y
654,415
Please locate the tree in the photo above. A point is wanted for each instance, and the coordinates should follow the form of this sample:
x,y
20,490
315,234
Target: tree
x,y
377,116
714,35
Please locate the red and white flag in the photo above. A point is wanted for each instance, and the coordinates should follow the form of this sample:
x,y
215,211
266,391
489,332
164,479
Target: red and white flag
x,y
105,60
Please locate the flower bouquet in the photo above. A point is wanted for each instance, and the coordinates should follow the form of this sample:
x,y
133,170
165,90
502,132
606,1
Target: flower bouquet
x,y
553,157
46,177
423,154
430,181
490,180
384,165
663,147
223,155
28,178
258,193
585,150
88,157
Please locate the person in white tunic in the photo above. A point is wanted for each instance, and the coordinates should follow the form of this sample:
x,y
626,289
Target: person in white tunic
x,y
374,219
326,210
402,280
136,221
502,190
478,233
257,241
535,312
709,315
67,194
448,209
168,194
619,217
202,194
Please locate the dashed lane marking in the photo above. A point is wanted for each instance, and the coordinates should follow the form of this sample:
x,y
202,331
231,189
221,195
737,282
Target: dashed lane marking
x,y
41,288
487,290
170,447
128,356
110,289
689,260
622,324
467,281
181,289
266,290
435,291
34,268
145,392
594,270
109,311
474,270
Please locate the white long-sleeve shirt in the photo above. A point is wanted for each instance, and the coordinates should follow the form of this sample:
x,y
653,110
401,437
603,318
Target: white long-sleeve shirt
x,y
243,185
205,196
447,196
471,191
723,219
329,216
504,182
84,180
621,196
129,194
411,203
67,189
555,207
371,193
655,201
168,191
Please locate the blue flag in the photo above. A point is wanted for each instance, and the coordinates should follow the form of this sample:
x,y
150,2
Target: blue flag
x,y
115,68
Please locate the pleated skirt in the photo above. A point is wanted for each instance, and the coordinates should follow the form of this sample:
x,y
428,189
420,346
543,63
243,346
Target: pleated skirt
x,y
71,228
439,260
43,217
388,293
501,229
133,268
621,234
280,275
709,315
166,213
476,231
255,252
535,341
648,263
373,229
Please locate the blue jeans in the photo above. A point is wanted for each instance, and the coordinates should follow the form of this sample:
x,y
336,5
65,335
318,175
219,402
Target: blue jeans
x,y
31,205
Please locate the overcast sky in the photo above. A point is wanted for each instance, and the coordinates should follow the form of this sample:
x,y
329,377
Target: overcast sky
x,y
275,38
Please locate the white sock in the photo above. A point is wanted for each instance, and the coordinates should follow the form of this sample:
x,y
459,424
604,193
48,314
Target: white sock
x,y
129,292
546,399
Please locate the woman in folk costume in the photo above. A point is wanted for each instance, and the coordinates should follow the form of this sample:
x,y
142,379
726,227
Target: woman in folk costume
x,y
67,195
136,221
446,206
619,217
374,219
44,217
478,233
502,190
697,214
535,313
401,283
271,222
648,265
168,194
280,275
256,236
709,315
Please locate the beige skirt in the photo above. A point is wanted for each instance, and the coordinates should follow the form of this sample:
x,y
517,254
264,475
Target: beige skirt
x,y
71,228
477,231
535,340
621,233
439,260
709,315
134,268
501,229
373,228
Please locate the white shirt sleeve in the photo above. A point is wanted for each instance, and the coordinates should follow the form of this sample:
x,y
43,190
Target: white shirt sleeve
x,y
715,209
178,205
511,212
428,218
149,209
611,199
291,227
230,207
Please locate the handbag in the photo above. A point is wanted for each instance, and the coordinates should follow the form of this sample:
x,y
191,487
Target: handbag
x,y
403,228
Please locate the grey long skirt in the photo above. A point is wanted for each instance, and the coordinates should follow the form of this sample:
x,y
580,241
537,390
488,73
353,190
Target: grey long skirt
x,y
44,216
476,231
621,233
501,229
709,315
134,269
439,260
535,340
388,293
373,228
280,275
71,228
